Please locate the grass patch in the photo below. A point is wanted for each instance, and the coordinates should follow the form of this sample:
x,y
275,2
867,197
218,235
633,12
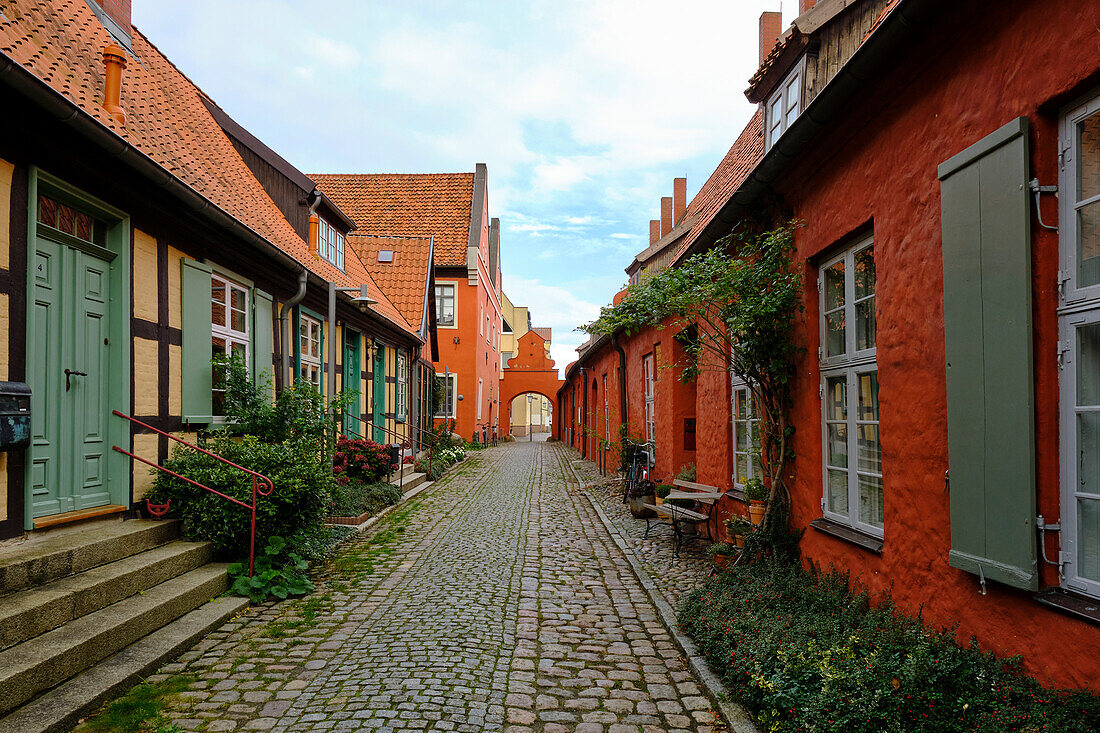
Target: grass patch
x,y
139,710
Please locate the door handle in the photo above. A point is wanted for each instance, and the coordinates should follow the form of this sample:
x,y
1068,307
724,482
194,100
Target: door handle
x,y
72,373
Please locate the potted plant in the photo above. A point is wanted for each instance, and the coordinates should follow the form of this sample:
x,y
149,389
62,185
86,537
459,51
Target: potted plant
x,y
640,494
757,495
662,491
738,527
721,554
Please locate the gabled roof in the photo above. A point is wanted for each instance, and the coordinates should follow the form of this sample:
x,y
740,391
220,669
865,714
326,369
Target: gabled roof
x,y
434,205
62,44
544,331
405,278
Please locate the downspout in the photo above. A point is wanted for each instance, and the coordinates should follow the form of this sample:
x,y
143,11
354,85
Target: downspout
x,y
622,392
584,414
303,278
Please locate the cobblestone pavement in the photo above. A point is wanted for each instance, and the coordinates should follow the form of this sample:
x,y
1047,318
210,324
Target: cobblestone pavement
x,y
674,576
495,600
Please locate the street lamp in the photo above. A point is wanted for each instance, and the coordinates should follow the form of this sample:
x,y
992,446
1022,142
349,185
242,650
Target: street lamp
x,y
529,436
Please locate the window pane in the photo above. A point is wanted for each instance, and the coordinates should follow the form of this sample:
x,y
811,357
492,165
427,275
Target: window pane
x,y
1088,538
865,325
836,398
47,211
838,445
84,226
1088,244
742,468
1088,365
741,428
834,286
870,452
741,410
66,219
238,299
1088,158
870,500
1088,453
834,334
864,263
217,295
838,491
868,396
238,322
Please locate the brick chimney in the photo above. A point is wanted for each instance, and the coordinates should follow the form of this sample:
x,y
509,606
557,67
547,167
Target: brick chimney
x,y
654,230
679,199
116,13
666,215
804,5
771,25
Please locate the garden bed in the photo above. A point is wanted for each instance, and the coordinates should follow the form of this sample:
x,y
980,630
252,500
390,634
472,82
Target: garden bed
x,y
804,653
355,502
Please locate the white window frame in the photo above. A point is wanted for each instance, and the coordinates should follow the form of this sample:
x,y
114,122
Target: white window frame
x,y
330,243
482,318
649,375
750,425
450,393
231,336
453,287
402,406
479,395
606,411
779,114
1079,308
848,367
310,364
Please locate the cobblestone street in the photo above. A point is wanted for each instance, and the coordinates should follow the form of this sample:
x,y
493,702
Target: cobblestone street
x,y
495,600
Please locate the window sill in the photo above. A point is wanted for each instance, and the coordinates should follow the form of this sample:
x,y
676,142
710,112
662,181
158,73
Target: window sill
x,y
854,536
1070,603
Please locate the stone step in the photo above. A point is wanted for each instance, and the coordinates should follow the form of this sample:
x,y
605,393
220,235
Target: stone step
x,y
411,481
56,554
44,661
61,708
35,611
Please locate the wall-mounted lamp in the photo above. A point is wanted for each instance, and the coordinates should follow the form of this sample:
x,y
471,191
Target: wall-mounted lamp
x,y
456,340
363,298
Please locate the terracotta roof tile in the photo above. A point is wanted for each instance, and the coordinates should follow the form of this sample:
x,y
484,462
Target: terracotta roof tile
x,y
405,278
62,42
731,172
543,331
414,204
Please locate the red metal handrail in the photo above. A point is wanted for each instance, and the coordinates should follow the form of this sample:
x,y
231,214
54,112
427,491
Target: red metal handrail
x,y
257,479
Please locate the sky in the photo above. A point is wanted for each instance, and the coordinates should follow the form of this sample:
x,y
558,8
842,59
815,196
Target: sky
x,y
583,111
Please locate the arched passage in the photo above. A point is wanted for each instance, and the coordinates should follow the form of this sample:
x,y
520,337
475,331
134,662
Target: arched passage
x,y
531,371
529,412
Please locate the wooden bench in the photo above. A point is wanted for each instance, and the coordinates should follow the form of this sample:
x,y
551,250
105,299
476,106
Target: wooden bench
x,y
676,514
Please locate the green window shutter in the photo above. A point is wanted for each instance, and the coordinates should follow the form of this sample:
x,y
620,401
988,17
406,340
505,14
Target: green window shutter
x,y
263,342
197,380
986,221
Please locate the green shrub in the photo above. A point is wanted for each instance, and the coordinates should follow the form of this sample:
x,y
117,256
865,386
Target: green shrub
x,y
805,654
687,472
355,498
300,499
663,490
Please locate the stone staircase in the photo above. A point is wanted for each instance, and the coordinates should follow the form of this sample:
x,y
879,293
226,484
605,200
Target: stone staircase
x,y
87,611
407,478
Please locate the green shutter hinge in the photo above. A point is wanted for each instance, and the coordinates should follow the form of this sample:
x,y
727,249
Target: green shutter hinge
x,y
1036,189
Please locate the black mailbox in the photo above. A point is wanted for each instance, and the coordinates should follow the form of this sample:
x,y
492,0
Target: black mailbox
x,y
15,415
395,456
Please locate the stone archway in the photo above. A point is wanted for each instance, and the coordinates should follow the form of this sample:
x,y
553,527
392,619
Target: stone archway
x,y
529,371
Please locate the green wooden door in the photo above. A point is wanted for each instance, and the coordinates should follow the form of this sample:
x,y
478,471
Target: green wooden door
x,y
69,413
352,426
379,394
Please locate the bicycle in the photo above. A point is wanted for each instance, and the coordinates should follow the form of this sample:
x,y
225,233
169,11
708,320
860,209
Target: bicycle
x,y
637,472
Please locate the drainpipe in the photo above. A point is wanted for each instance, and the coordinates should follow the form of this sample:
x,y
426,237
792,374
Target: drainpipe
x,y
281,378
584,413
622,389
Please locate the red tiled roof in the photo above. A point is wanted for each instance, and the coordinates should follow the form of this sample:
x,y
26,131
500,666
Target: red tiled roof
x,y
735,167
543,331
62,42
405,278
408,204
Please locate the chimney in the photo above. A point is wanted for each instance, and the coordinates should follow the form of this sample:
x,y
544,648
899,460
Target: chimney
x,y
654,230
804,5
679,199
114,59
771,25
115,17
666,215
314,221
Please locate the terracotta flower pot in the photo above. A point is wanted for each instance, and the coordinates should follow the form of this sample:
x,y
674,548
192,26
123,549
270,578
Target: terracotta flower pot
x,y
722,561
739,540
756,512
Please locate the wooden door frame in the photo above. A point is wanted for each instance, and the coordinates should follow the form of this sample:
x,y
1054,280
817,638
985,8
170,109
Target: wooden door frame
x,y
120,379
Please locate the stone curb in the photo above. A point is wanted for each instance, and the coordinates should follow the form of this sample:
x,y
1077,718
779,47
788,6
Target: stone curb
x,y
736,717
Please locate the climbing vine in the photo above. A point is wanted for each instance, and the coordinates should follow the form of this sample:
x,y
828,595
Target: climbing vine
x,y
734,306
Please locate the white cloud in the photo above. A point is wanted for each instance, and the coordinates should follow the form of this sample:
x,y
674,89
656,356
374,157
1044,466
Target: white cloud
x,y
624,235
331,52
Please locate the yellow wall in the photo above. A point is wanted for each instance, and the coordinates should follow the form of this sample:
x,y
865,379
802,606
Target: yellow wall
x,y
145,277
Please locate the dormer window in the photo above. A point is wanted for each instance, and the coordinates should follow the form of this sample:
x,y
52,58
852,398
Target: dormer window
x,y
784,105
330,243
